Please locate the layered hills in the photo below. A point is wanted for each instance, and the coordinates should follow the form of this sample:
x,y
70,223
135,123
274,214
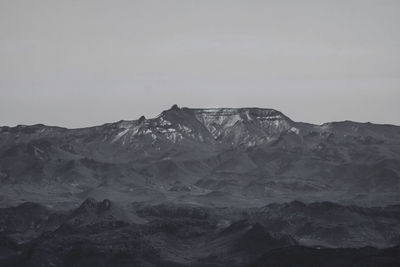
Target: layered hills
x,y
242,157
201,187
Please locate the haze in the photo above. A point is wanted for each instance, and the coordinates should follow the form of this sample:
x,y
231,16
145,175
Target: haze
x,y
83,63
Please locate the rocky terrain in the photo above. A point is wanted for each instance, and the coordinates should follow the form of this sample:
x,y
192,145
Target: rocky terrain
x,y
201,187
100,233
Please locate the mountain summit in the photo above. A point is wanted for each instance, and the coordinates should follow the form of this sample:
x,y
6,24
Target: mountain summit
x,y
224,126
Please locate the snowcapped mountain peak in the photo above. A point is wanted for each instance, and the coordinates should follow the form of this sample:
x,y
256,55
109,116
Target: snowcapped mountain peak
x,y
232,126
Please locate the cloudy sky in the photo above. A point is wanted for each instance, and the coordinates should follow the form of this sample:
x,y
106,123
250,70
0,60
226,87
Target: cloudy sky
x,y
79,63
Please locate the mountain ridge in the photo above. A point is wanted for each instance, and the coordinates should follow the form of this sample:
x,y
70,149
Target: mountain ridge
x,y
224,156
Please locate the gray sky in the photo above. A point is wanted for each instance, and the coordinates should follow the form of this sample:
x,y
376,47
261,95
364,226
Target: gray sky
x,y
79,63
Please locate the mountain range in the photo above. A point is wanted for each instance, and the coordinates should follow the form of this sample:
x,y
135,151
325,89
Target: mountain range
x,y
201,187
240,157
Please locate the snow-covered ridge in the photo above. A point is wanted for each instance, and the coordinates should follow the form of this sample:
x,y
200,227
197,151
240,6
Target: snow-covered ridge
x,y
230,116
176,124
235,122
243,112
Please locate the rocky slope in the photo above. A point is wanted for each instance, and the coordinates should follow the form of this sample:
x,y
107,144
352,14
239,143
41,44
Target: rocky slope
x,y
100,233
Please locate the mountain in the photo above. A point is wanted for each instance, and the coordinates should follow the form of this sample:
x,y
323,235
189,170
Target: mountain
x,y
201,187
245,157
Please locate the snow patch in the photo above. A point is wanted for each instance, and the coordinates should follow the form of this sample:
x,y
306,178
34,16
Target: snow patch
x,y
248,115
119,135
295,130
164,122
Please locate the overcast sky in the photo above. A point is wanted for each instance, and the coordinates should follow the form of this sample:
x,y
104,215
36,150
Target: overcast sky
x,y
79,63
